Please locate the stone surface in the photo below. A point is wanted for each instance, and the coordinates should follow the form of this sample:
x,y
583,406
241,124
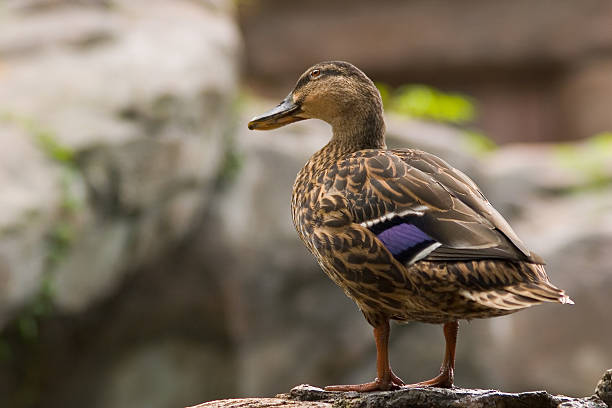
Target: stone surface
x,y
114,122
95,266
262,403
543,173
308,396
161,338
123,140
604,388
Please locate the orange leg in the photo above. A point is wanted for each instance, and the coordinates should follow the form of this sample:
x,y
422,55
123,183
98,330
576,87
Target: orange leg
x,y
386,379
447,371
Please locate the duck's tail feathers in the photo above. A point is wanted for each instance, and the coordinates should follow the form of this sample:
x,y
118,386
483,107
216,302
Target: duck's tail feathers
x,y
518,296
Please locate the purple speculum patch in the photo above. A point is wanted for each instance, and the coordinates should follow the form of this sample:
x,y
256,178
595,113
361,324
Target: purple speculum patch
x,y
402,237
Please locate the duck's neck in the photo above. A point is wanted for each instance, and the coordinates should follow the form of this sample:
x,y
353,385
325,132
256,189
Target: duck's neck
x,y
359,130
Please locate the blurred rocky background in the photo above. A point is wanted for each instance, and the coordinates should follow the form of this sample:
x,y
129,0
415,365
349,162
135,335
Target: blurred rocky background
x,y
147,256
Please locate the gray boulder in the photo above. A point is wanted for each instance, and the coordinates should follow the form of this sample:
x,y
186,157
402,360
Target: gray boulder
x,y
112,125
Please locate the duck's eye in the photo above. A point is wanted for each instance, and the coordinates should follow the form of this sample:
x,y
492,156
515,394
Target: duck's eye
x,y
315,73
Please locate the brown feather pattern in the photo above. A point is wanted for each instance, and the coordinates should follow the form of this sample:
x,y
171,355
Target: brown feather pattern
x,y
481,270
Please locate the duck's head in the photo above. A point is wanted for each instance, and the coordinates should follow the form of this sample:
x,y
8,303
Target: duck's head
x,y
336,92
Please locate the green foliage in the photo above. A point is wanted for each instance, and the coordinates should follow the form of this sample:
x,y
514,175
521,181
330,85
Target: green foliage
x,y
230,166
592,158
426,102
233,159
385,93
603,143
53,148
60,238
5,350
28,321
28,326
45,138
39,307
59,242
21,341
478,142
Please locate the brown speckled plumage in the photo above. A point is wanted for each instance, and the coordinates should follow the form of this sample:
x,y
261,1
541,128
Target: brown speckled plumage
x,y
404,234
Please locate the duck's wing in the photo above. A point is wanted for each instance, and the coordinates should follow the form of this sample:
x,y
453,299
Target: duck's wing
x,y
421,208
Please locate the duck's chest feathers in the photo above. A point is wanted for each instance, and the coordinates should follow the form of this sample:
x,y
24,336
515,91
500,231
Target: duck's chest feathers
x,y
318,198
306,202
304,208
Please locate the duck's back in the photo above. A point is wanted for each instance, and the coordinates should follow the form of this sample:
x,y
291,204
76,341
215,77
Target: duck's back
x,y
489,235
384,187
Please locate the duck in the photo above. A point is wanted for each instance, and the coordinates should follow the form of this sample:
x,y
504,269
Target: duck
x,y
406,236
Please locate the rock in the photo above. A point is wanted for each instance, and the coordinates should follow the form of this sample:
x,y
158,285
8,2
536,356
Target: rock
x,y
161,338
123,140
604,388
308,396
100,252
263,403
114,123
530,172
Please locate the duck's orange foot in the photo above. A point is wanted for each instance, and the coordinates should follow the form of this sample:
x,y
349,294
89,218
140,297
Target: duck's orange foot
x,y
443,380
392,383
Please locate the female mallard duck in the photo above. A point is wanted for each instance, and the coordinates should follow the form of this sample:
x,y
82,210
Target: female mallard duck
x,y
407,236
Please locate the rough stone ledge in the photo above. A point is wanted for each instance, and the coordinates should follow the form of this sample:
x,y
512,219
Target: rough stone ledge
x,y
439,397
307,396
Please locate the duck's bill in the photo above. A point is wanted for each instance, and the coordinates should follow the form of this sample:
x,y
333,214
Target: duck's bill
x,y
286,112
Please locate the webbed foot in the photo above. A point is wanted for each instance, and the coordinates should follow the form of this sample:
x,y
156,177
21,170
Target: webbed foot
x,y
443,380
392,383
